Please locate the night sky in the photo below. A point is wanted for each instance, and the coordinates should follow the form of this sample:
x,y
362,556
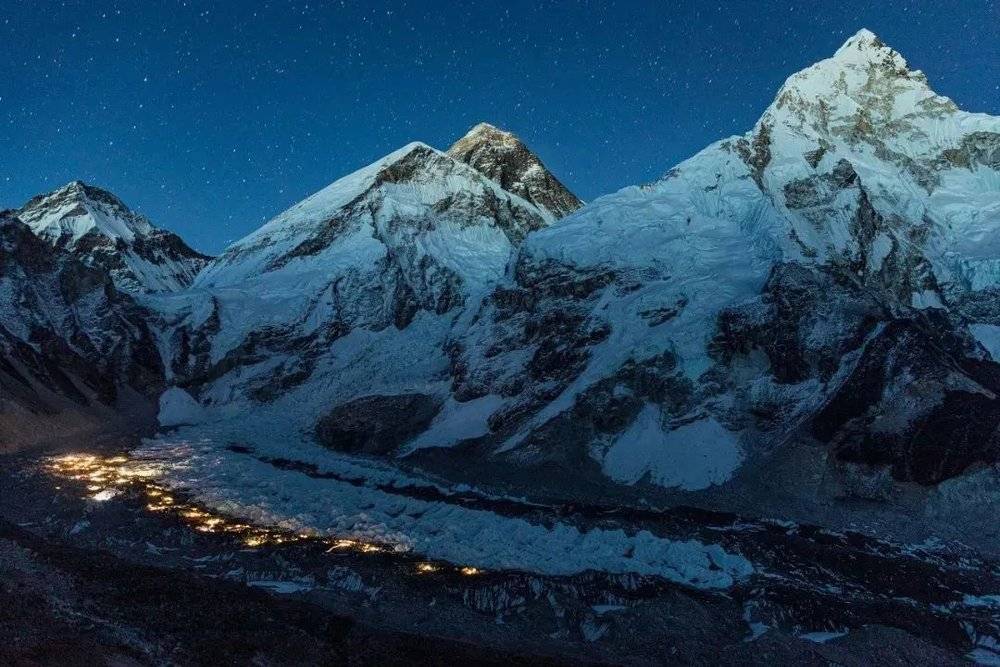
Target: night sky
x,y
212,117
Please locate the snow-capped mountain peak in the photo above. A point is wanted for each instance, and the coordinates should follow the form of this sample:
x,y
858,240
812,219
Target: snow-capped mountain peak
x,y
864,91
502,157
102,231
864,116
394,254
77,209
487,135
866,47
412,192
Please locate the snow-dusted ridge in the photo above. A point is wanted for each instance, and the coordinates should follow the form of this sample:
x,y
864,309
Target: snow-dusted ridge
x,y
413,176
353,291
99,229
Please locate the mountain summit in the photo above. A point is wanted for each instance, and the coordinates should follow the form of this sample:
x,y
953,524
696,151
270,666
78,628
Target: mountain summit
x,y
864,45
102,231
502,157
830,277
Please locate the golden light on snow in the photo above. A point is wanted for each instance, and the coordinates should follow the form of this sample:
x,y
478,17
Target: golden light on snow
x,y
254,541
342,544
105,478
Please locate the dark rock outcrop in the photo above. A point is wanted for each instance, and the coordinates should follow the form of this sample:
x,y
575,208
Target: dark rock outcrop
x,y
376,424
916,403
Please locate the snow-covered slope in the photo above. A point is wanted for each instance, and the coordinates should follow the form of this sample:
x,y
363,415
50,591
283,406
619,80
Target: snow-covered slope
x,y
350,293
457,218
502,157
914,153
99,229
814,279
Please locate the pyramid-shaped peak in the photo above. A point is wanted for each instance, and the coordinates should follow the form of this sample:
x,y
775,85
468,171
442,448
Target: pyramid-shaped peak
x,y
502,157
101,230
864,73
77,193
92,206
866,47
487,135
863,39
487,128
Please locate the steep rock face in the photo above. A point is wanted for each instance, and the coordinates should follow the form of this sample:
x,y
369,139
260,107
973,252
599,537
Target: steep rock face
x,y
889,389
349,293
921,169
917,402
502,157
96,227
74,352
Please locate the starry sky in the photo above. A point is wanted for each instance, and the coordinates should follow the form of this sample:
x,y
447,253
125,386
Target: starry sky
x,y
210,118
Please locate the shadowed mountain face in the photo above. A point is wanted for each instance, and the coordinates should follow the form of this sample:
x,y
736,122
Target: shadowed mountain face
x,y
96,227
76,355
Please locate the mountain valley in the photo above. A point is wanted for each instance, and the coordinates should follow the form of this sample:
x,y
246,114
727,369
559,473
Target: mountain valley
x,y
695,399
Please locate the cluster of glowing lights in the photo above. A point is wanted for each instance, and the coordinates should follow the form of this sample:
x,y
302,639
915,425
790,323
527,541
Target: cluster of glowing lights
x,y
107,477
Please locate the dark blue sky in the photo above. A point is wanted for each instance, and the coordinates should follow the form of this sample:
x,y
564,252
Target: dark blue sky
x,y
212,117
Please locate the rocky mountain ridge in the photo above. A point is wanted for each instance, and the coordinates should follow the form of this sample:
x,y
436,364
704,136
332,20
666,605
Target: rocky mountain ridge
x,y
102,231
386,259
